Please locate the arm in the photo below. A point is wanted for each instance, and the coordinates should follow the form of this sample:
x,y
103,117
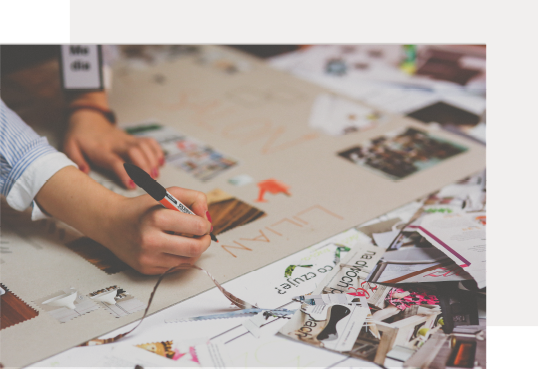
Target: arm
x,y
135,229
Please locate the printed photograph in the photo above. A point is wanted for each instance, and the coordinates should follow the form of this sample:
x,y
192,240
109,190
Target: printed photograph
x,y
228,212
66,304
12,309
117,301
191,155
98,255
399,155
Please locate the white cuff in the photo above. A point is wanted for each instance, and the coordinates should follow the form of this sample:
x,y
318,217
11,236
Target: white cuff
x,y
37,213
34,177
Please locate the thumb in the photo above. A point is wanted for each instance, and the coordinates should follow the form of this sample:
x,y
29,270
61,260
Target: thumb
x,y
73,151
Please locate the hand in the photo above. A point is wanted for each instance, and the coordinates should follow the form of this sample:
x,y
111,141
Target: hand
x,y
140,232
137,230
92,137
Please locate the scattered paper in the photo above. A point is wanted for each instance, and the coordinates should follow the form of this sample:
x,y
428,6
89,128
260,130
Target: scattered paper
x,y
462,237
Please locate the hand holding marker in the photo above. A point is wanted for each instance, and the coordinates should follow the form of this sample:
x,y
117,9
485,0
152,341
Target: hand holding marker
x,y
157,191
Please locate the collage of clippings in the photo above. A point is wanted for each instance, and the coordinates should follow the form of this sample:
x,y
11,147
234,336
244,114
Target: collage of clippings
x,y
424,282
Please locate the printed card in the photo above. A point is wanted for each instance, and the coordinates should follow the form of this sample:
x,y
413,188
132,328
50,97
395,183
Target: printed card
x,y
400,154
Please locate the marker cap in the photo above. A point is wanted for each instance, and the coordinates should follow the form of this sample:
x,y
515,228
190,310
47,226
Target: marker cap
x,y
143,180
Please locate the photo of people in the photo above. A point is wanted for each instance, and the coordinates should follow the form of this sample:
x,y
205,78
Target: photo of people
x,y
399,155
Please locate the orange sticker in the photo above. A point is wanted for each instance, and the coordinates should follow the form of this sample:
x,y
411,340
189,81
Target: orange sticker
x,y
272,186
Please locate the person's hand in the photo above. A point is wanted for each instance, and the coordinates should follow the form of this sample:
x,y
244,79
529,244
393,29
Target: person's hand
x,y
91,138
137,230
140,232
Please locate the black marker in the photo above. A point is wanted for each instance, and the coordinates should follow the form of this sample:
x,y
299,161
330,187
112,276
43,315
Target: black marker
x,y
157,191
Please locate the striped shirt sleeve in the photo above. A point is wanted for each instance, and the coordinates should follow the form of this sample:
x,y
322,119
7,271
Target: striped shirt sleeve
x,y
26,160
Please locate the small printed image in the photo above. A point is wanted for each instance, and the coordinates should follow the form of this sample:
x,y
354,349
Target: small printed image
x,y
98,255
401,154
228,212
194,157
241,180
12,309
184,351
66,304
117,301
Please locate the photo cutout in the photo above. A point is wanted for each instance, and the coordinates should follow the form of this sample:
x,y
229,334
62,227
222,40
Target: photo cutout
x,y
12,309
228,212
117,301
98,255
398,155
189,154
66,304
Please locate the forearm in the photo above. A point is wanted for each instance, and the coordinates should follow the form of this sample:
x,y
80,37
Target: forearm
x,y
74,198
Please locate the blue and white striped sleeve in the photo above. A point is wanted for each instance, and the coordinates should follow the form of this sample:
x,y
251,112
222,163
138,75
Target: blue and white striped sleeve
x,y
27,161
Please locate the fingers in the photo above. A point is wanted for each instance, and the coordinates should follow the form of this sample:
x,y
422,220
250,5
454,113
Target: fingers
x,y
146,154
160,252
145,145
157,150
73,151
174,221
138,157
116,163
195,200
182,246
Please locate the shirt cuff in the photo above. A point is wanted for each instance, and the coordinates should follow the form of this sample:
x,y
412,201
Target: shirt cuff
x,y
34,177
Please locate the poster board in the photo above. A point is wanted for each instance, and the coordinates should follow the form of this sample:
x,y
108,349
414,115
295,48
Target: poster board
x,y
257,115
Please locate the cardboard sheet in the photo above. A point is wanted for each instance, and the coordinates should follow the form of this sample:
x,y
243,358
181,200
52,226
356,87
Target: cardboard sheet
x,y
260,117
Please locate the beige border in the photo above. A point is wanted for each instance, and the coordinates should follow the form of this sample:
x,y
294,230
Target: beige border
x,y
508,28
